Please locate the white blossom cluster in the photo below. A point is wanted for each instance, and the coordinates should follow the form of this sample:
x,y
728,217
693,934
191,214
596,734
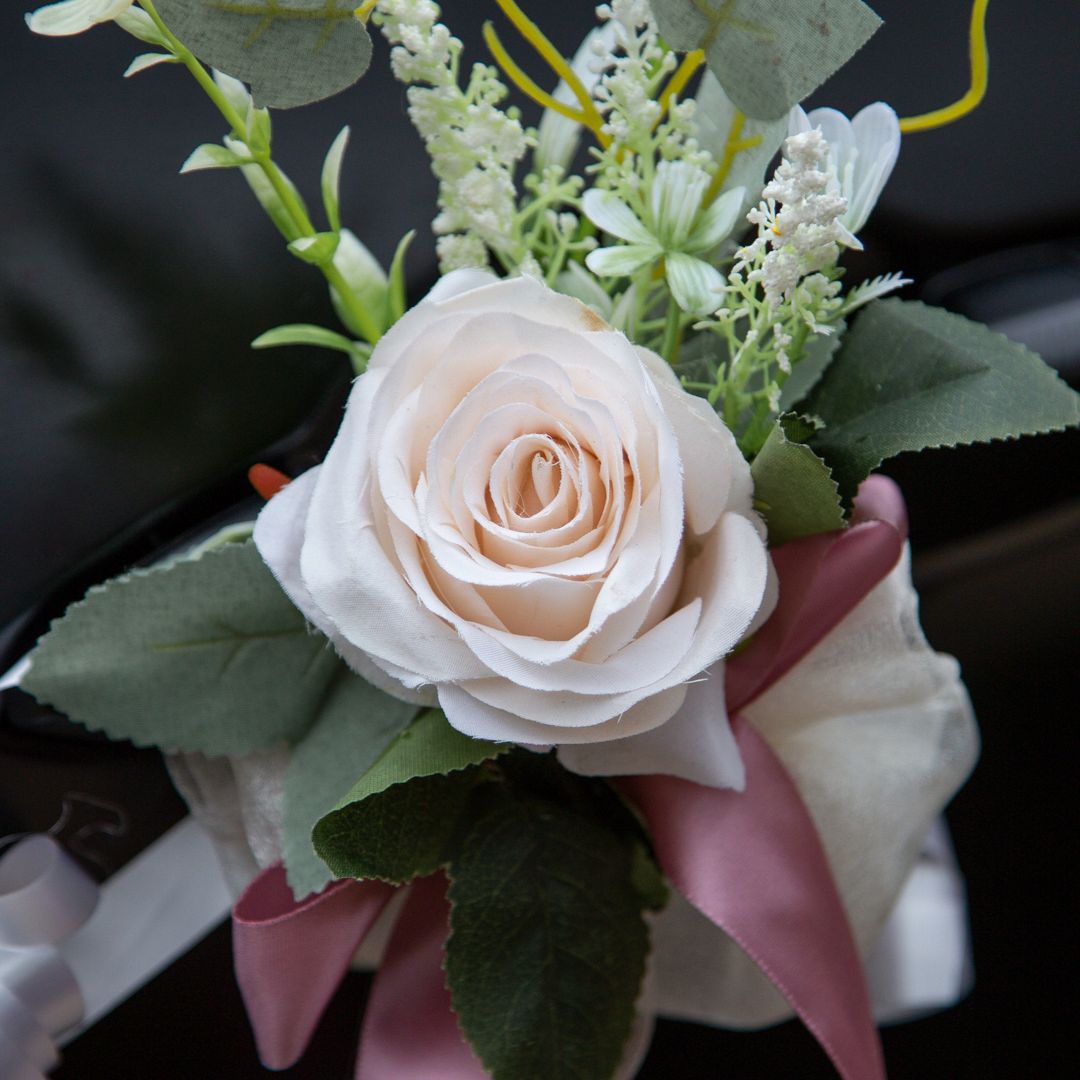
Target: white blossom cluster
x,y
804,235
624,92
474,145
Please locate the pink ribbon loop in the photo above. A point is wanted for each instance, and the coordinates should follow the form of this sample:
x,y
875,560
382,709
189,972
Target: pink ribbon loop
x,y
411,981
290,957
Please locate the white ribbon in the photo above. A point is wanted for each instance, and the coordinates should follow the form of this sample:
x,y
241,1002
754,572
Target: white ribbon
x,y
44,898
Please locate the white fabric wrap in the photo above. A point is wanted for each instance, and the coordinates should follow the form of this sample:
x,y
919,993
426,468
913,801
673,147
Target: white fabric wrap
x,y
875,728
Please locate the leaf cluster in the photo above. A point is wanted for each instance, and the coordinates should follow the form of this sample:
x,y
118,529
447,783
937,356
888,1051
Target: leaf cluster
x,y
550,872
906,377
550,875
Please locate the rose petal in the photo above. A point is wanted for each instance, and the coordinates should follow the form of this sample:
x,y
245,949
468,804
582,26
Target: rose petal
x,y
696,744
471,716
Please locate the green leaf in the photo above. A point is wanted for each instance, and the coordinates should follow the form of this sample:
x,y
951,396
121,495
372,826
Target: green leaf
x,y
212,156
148,60
397,821
304,334
909,377
793,488
317,250
205,654
331,178
271,202
807,369
396,293
548,944
768,54
292,52
356,725
137,23
366,280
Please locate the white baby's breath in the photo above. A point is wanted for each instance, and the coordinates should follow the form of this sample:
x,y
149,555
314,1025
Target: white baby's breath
x,y
861,154
799,218
474,145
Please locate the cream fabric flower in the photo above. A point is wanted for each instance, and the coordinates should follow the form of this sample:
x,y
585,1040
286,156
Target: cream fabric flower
x,y
525,516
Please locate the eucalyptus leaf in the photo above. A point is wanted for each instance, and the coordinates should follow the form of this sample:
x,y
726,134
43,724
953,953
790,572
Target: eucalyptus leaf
x,y
793,488
768,54
397,820
910,377
204,654
292,52
355,726
548,944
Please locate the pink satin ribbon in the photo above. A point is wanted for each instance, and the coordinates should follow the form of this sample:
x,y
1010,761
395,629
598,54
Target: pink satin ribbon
x,y
752,862
290,957
432,1048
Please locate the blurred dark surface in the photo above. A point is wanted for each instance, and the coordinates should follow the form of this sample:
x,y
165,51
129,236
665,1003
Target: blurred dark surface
x,y
130,407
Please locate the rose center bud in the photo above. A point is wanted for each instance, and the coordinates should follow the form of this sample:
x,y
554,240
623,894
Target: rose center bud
x,y
544,480
539,482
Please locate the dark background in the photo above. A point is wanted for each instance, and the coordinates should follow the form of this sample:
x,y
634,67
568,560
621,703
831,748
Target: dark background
x,y
130,407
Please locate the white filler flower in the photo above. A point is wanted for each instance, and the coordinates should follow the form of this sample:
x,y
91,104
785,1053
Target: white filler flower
x,y
862,153
675,227
526,517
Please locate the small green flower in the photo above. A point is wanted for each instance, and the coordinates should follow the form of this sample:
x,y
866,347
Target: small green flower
x,y
674,226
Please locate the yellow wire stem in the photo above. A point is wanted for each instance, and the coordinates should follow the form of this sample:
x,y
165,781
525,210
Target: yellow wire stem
x,y
363,12
525,84
980,74
735,145
557,62
683,74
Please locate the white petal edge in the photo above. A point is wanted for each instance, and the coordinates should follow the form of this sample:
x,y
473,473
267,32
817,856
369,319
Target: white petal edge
x,y
695,744
609,213
279,532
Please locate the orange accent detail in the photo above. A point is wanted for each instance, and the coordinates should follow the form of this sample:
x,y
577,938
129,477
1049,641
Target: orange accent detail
x,y
266,481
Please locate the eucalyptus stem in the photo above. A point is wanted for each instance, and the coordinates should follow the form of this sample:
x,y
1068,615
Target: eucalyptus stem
x,y
282,188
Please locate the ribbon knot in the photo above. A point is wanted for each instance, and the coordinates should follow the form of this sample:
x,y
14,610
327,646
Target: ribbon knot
x,y
782,906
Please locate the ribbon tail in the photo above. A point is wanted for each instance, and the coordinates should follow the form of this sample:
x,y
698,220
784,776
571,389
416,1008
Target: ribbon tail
x,y
290,957
411,983
752,862
822,578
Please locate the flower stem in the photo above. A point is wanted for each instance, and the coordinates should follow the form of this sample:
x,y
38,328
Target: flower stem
x,y
669,349
282,188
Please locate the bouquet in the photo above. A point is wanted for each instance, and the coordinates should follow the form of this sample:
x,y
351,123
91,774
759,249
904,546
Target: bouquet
x,y
584,674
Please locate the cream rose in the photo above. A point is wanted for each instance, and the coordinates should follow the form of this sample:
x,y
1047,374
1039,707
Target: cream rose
x,y
526,517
